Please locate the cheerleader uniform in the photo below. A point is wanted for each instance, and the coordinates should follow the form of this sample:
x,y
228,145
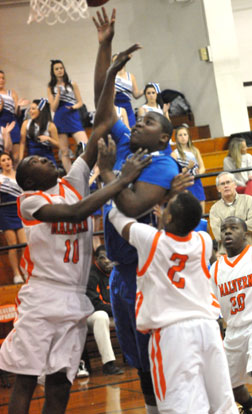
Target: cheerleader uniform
x,y
7,115
1,142
148,108
9,190
197,188
67,120
123,96
37,147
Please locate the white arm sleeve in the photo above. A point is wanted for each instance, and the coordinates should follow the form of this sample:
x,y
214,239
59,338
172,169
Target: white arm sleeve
x,y
119,220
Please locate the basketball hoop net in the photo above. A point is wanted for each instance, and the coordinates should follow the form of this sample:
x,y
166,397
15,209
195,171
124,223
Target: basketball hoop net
x,y
54,11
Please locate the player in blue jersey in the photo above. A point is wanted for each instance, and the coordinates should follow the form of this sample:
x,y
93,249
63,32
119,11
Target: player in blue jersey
x,y
152,132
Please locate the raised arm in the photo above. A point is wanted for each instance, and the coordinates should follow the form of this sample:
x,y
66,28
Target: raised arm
x,y
6,136
105,116
105,30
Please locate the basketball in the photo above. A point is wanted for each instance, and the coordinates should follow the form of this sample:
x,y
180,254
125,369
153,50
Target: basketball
x,y
96,3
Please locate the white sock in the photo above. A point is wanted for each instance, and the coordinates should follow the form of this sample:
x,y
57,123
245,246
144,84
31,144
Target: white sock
x,y
151,409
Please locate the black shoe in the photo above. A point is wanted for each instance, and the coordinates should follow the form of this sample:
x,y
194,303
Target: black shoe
x,y
110,369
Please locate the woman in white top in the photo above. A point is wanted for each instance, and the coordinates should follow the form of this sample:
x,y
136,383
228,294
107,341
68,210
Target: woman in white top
x,y
188,156
154,101
239,158
65,100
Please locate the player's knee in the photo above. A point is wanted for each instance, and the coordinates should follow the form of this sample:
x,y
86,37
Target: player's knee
x,y
58,383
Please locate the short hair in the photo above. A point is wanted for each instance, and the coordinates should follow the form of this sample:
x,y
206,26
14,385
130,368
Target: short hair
x,y
231,176
186,212
242,222
99,249
21,174
166,125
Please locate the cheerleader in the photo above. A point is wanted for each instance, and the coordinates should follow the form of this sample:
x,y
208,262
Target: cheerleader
x,y
65,100
38,133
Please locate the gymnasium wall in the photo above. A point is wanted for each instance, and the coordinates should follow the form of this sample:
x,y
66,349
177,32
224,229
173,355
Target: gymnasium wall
x,y
170,32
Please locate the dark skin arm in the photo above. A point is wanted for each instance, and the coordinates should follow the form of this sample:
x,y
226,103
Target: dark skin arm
x,y
144,196
77,212
105,31
105,116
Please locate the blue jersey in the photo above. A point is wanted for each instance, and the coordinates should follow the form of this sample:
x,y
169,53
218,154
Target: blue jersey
x,y
160,172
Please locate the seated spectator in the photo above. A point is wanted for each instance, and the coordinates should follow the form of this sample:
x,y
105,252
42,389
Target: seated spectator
x,y
10,223
39,133
99,321
154,101
188,157
239,158
230,204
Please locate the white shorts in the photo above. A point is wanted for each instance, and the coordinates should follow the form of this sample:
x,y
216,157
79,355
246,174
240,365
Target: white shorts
x,y
189,369
50,331
238,347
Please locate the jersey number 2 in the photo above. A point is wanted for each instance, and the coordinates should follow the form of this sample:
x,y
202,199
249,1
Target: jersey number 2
x,y
75,257
182,258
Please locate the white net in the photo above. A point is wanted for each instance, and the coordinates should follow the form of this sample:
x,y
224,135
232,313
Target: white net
x,y
53,11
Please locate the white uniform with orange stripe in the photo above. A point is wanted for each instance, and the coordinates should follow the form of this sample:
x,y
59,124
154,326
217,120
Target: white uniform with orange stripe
x,y
175,300
50,331
232,281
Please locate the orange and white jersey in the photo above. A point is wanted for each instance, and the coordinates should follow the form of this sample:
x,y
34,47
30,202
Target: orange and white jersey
x,y
59,252
173,282
232,281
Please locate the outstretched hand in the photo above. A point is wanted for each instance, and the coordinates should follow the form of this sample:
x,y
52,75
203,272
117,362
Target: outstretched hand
x,y
104,26
9,127
181,182
123,57
106,154
135,164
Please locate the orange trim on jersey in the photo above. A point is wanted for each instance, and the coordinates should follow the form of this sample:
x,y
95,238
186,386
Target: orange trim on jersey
x,y
27,263
203,260
67,184
216,272
31,222
179,238
158,371
151,254
139,301
215,302
238,258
